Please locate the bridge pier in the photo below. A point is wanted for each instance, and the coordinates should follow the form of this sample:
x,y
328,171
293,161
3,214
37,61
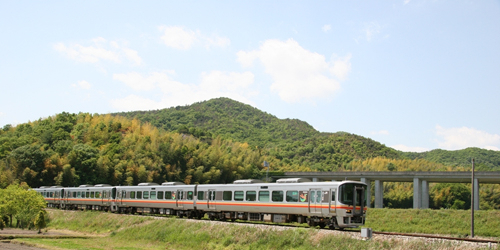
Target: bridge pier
x,y
417,193
379,194
368,191
425,194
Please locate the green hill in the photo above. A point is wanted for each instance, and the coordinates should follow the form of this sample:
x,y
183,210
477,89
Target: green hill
x,y
485,160
291,140
228,119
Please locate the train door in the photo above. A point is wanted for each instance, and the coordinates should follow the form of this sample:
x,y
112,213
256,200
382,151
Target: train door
x,y
61,198
67,196
179,197
105,198
211,199
121,195
358,200
315,196
333,200
113,194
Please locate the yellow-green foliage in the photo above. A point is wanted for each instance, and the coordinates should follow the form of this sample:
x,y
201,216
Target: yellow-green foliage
x,y
385,164
21,203
118,151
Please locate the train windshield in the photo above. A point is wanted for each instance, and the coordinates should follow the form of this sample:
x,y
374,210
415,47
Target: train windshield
x,y
352,191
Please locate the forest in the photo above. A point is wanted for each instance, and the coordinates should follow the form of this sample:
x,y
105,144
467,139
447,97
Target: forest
x,y
217,141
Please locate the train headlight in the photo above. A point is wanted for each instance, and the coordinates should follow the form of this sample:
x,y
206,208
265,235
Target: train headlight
x,y
348,211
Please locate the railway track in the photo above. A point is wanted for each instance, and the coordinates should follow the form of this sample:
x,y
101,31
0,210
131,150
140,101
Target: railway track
x,y
440,237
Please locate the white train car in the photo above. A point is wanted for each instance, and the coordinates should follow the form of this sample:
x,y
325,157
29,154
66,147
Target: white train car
x,y
325,204
317,203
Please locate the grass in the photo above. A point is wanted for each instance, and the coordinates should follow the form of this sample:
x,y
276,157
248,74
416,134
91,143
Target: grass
x,y
446,222
93,222
143,232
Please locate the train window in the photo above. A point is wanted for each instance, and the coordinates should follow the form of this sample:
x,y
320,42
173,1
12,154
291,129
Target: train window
x,y
238,195
74,194
92,194
152,195
87,194
160,195
201,195
132,194
145,195
211,195
318,196
264,196
227,195
190,195
333,195
292,196
180,195
168,195
98,194
277,196
139,194
78,194
251,195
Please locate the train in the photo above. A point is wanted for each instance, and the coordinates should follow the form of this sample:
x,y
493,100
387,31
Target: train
x,y
335,204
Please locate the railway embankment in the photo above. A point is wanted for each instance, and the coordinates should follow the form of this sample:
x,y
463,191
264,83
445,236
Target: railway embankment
x,y
148,232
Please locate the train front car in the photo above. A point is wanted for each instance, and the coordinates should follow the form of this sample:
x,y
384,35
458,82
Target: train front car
x,y
351,204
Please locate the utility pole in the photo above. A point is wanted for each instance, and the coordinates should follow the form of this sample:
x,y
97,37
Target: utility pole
x,y
266,164
472,203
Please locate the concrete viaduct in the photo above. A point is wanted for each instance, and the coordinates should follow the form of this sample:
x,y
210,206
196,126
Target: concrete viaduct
x,y
420,181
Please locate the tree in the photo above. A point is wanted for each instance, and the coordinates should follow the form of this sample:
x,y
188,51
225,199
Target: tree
x,y
84,159
8,202
29,204
21,202
40,221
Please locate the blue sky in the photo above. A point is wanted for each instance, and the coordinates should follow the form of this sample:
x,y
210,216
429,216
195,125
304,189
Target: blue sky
x,y
413,75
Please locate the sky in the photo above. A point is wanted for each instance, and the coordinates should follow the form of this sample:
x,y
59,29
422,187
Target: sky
x,y
413,75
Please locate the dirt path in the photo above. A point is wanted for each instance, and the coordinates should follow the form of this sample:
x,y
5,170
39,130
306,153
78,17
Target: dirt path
x,y
16,246
8,233
21,232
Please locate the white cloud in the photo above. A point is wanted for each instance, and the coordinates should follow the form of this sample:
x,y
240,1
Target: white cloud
x,y
82,85
298,74
326,28
409,149
137,82
183,39
177,37
2,114
341,67
212,85
406,1
370,30
464,137
99,50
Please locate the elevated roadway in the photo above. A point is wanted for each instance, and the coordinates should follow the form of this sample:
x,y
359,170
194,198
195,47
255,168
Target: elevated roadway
x,y
420,181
